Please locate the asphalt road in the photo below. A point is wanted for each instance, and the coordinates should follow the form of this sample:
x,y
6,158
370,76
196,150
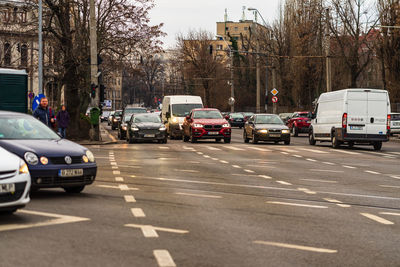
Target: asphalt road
x,y
216,204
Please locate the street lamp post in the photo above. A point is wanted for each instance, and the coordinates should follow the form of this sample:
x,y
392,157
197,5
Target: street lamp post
x,y
40,43
232,74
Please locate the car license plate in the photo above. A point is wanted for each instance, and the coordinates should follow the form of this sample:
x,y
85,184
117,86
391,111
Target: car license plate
x,y
149,135
396,123
274,135
356,127
213,133
7,188
70,172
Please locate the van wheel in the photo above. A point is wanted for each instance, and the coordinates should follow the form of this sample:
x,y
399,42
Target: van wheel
x,y
335,142
377,145
294,131
311,139
245,138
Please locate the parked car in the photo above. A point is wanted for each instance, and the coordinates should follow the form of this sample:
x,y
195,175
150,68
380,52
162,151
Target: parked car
x,y
146,127
266,127
394,123
115,119
206,123
299,122
247,115
352,116
123,126
104,115
15,182
52,161
236,120
285,116
109,119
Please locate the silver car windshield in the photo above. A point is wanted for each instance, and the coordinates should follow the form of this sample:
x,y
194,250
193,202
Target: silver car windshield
x,y
148,118
268,119
25,128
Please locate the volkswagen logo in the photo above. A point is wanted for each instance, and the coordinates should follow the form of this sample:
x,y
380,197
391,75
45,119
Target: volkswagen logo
x,y
68,160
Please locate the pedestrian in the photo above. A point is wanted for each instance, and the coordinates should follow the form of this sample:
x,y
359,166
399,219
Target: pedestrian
x,y
42,112
62,121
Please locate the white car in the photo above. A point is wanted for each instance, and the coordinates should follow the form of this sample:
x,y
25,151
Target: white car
x,y
15,182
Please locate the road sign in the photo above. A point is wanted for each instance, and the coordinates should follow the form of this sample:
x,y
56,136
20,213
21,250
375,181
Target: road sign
x,y
274,91
108,103
231,101
274,99
36,101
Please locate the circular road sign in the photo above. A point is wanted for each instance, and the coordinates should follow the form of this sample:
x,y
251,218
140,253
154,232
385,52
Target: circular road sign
x,y
274,99
231,101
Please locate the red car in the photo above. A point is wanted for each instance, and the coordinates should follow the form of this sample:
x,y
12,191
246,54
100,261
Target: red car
x,y
206,123
299,122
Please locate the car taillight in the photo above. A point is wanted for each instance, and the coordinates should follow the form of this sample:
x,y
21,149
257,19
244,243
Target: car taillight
x,y
344,121
388,122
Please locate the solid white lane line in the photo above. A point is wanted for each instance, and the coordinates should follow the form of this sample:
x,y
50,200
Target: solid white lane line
x,y
396,153
390,186
148,231
179,170
265,176
283,182
322,181
332,200
259,149
377,218
138,212
292,246
121,187
116,172
119,179
312,160
224,161
328,163
297,204
372,172
319,170
213,148
349,167
284,153
390,213
236,166
234,148
163,258
130,198
297,156
249,171
345,152
197,195
314,150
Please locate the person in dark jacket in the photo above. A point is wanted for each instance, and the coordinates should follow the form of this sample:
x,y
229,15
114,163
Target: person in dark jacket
x,y
62,120
42,112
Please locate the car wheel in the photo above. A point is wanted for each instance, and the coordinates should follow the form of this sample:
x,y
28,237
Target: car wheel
x,y
311,139
255,140
192,139
335,142
287,142
185,138
165,141
8,212
294,131
377,145
245,138
218,140
74,189
227,140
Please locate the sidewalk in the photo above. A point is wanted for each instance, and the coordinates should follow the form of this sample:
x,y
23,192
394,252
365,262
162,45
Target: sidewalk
x,y
106,139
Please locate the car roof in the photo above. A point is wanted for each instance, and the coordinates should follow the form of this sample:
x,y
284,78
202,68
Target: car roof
x,y
264,114
197,109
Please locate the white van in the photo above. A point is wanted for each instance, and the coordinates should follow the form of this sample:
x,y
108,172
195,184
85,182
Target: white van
x,y
352,116
174,110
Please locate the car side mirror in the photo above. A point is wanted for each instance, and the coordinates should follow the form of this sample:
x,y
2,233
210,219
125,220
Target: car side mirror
x,y
168,115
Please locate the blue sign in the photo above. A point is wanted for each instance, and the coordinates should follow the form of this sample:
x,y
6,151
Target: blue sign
x,y
36,101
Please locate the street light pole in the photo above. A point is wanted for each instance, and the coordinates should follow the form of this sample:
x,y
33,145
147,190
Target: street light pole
x,y
232,72
40,43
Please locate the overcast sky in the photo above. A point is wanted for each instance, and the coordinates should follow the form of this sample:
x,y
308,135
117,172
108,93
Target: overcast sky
x,y
179,16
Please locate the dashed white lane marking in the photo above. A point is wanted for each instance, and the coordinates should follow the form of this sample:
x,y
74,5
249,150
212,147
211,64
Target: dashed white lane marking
x,y
288,150
163,147
337,202
121,187
213,148
199,153
372,172
148,231
265,176
345,152
249,171
395,176
297,204
396,153
129,198
314,150
163,258
197,195
292,246
206,156
179,170
377,218
138,212
390,213
317,180
349,167
297,156
284,153
214,159
114,167
234,148
188,148
390,186
328,163
236,166
312,160
116,172
156,228
319,170
119,179
113,163
260,149
307,191
283,182
224,161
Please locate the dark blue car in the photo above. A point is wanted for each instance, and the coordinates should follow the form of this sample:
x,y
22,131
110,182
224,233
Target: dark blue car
x,y
52,161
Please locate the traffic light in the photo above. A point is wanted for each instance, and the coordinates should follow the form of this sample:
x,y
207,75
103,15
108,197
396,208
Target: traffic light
x,y
93,88
102,93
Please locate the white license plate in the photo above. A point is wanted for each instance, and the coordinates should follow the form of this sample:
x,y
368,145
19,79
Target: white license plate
x,y
149,135
213,133
70,173
7,188
274,135
356,127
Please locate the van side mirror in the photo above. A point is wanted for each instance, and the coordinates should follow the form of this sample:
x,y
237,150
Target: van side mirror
x,y
168,115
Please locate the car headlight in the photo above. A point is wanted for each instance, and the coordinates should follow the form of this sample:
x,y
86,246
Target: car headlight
x,y
263,131
85,159
115,119
196,125
124,128
226,125
44,160
134,128
285,131
23,168
31,158
90,155
162,128
174,120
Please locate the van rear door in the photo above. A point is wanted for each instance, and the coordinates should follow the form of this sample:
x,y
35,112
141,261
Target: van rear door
x,y
377,113
357,112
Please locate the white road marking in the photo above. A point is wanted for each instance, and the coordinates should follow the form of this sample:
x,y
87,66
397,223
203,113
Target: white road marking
x,y
124,187
377,218
163,229
345,152
285,153
224,161
199,153
59,219
314,150
283,182
259,149
129,198
213,148
322,181
179,170
319,170
138,212
163,258
265,176
307,191
206,156
297,156
198,195
119,179
372,172
148,231
349,167
188,148
396,153
236,166
249,171
288,150
343,205
114,167
258,166
390,186
390,213
395,176
332,200
163,147
328,163
116,172
234,148
312,160
292,246
297,204
214,159
113,163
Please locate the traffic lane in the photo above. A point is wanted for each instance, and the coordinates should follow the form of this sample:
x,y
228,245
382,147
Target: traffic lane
x,y
178,211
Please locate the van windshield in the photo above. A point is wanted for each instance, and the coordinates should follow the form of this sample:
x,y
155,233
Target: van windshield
x,y
182,110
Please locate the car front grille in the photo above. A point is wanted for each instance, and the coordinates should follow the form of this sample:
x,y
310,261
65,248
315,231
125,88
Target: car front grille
x,y
149,131
64,180
7,174
275,131
8,197
210,127
61,160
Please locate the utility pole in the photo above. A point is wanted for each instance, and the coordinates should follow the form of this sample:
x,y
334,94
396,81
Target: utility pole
x,y
327,55
232,80
275,105
258,74
40,41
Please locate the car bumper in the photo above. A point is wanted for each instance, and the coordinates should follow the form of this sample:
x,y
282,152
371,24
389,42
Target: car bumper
x,y
395,130
204,134
361,138
48,176
21,195
268,137
141,136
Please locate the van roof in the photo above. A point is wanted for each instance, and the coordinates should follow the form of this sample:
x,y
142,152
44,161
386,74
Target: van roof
x,y
13,71
340,94
176,99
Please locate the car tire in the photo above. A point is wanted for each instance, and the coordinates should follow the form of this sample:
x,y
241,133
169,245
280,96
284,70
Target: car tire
x,y
8,212
294,131
74,189
335,143
287,142
192,139
218,140
377,146
165,141
227,140
255,140
245,138
185,138
311,139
